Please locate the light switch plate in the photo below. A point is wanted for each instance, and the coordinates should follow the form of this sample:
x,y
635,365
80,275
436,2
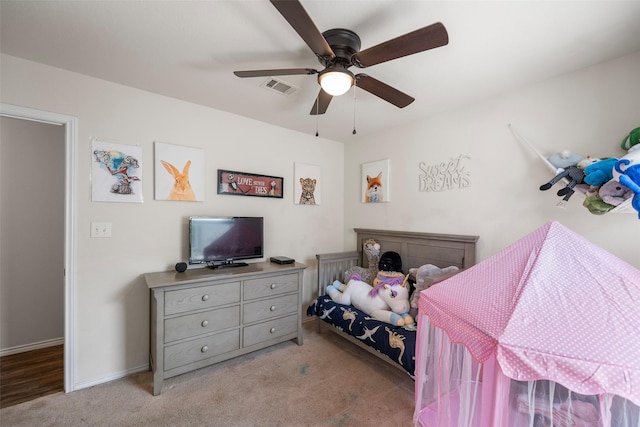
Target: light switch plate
x,y
100,229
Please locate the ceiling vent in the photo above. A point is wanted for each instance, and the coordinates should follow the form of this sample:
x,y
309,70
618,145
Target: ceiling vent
x,y
279,86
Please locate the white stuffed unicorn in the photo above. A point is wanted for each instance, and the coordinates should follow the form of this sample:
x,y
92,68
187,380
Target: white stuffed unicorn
x,y
387,301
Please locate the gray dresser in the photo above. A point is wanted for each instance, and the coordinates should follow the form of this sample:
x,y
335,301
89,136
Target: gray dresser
x,y
205,316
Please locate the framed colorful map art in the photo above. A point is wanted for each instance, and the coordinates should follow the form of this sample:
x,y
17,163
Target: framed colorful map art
x,y
116,172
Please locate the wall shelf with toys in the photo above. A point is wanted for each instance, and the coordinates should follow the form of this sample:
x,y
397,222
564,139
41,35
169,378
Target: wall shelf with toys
x,y
589,195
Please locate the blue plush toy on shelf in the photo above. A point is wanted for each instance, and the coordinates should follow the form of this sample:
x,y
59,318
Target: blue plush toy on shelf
x,y
600,172
627,172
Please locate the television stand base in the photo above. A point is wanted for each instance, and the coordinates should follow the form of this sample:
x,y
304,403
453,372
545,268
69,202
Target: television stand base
x,y
228,265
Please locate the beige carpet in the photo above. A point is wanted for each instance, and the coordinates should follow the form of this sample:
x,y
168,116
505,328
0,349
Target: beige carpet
x,y
326,382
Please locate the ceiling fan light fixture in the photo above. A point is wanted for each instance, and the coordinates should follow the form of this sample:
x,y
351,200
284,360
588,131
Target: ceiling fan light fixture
x,y
336,81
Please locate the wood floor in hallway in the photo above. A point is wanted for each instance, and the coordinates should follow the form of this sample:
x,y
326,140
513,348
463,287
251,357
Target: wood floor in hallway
x,y
31,374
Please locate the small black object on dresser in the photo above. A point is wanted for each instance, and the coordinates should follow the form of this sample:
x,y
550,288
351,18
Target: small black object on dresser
x,y
282,260
181,267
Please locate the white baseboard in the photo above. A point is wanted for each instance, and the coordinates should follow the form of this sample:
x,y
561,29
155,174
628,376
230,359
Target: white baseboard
x,y
32,346
115,376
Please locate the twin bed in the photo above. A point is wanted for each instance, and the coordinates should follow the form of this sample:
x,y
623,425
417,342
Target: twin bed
x,y
393,344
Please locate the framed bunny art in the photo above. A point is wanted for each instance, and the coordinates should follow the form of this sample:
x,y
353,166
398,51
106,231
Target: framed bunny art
x,y
179,172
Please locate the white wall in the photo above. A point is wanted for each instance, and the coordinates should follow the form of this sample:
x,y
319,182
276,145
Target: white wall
x,y
112,319
31,234
588,111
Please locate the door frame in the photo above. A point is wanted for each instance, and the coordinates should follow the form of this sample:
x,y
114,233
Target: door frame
x,y
70,124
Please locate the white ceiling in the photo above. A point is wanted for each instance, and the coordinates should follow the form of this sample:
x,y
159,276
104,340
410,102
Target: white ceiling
x,y
189,50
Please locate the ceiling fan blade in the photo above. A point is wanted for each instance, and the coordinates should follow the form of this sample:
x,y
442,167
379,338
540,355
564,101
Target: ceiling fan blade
x,y
300,20
277,72
321,104
432,36
383,91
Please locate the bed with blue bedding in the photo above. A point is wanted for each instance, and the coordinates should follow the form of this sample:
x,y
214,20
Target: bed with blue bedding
x,y
393,344
397,343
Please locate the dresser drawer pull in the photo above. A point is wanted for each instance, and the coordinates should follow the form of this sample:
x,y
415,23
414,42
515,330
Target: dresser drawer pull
x,y
273,286
205,323
272,308
205,297
204,349
272,330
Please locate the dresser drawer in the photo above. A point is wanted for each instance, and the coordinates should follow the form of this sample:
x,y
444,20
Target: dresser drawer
x,y
200,348
270,286
256,334
182,300
201,323
269,308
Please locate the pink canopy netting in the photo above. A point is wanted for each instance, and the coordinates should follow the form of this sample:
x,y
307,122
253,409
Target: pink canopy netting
x,y
551,306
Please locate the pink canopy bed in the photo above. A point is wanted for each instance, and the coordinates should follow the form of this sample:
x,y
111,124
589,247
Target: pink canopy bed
x,y
544,333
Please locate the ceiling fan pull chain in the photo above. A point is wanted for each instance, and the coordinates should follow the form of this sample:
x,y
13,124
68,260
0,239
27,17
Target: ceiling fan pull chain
x,y
317,106
354,107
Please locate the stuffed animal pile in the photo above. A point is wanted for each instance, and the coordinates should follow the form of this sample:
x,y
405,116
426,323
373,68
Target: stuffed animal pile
x,y
381,291
385,295
606,182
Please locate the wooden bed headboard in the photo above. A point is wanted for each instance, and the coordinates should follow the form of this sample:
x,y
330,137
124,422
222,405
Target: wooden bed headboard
x,y
415,249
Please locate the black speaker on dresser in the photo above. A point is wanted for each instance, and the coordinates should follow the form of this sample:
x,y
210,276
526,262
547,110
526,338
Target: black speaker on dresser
x,y
181,267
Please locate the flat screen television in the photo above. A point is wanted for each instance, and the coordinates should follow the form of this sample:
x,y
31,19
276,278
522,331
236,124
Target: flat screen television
x,y
221,242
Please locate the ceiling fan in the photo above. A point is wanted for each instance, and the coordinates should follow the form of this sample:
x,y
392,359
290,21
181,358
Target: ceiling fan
x,y
338,49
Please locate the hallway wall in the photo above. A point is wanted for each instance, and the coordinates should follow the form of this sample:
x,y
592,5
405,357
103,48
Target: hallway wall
x,y
32,192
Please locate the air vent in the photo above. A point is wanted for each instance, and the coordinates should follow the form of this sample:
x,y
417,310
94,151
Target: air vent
x,y
279,86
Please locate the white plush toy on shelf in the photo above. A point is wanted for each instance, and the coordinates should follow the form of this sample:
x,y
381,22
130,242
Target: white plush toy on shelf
x,y
631,158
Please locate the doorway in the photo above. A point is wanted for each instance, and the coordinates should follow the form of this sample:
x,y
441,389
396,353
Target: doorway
x,y
68,269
